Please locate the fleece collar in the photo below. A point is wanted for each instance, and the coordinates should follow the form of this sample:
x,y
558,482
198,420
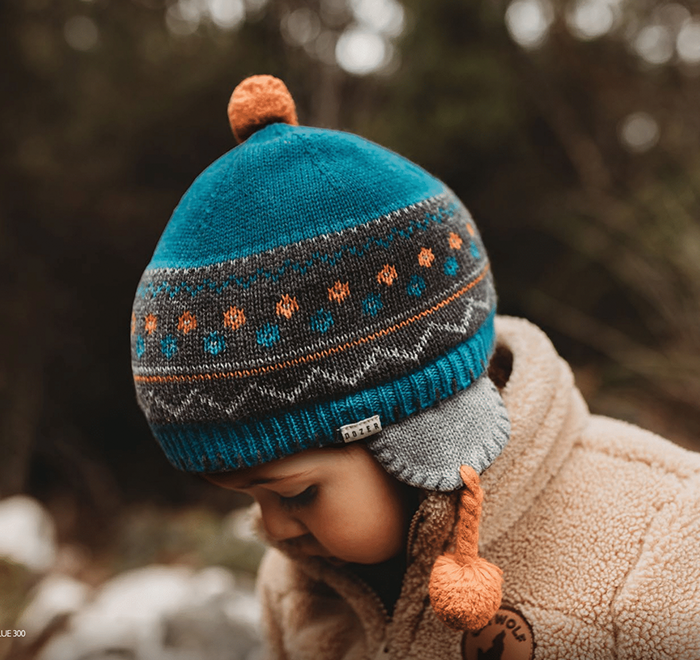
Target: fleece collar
x,y
547,414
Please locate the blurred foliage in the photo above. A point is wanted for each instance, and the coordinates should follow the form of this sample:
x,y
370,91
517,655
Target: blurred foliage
x,y
194,536
106,121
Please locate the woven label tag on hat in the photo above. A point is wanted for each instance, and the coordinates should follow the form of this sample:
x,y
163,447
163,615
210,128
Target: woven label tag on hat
x,y
361,430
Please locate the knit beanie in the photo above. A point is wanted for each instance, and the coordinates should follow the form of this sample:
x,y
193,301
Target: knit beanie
x,y
313,288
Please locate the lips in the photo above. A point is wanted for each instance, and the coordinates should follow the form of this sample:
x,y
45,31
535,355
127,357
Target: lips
x,y
305,545
308,546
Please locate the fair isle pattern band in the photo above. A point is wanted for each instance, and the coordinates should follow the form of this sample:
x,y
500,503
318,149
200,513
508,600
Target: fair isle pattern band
x,y
226,445
316,319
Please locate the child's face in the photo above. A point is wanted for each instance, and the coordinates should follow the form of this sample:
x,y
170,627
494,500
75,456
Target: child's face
x,y
335,503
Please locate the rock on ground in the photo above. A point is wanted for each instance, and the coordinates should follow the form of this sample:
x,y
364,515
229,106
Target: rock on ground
x,y
162,613
27,533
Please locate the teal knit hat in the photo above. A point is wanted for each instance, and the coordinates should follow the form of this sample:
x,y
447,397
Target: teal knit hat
x,y
312,285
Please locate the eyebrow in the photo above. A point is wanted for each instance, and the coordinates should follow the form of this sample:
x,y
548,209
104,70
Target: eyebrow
x,y
270,480
257,482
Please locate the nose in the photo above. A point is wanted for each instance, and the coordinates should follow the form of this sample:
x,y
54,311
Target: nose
x,y
280,525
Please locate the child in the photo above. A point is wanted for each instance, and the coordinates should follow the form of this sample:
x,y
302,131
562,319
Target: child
x,y
316,329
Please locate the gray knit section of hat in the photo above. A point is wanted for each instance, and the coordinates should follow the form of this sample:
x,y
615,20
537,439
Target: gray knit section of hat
x,y
427,449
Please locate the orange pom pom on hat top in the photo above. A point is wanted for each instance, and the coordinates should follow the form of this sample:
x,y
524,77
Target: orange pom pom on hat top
x,y
257,102
465,589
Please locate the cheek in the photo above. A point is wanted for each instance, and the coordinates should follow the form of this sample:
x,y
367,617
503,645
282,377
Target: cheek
x,y
366,528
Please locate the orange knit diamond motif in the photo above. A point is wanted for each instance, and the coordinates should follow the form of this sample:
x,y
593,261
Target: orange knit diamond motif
x,y
150,324
387,275
234,318
426,257
339,292
286,306
455,241
187,322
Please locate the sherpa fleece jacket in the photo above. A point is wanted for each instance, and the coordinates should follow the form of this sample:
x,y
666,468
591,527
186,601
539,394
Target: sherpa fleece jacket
x,y
595,523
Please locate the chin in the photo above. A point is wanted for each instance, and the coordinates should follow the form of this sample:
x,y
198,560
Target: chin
x,y
378,558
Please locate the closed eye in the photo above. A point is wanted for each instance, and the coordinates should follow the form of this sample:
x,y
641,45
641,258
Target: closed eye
x,y
298,501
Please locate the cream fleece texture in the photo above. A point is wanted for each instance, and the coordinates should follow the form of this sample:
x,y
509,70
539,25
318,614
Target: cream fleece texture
x,y
595,523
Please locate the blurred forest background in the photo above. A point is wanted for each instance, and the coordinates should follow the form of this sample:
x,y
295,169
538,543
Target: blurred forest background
x,y
570,128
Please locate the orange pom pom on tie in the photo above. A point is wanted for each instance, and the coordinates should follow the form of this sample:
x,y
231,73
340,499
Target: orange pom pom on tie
x,y
465,589
257,102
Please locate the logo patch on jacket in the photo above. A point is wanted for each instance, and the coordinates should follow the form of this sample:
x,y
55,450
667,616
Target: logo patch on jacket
x,y
507,636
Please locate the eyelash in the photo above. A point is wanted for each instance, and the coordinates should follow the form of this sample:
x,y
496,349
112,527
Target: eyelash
x,y
298,501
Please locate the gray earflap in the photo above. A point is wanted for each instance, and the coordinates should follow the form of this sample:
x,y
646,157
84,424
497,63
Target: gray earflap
x,y
427,449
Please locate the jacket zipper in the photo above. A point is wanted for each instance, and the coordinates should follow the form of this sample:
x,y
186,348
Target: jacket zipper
x,y
371,594
383,652
384,644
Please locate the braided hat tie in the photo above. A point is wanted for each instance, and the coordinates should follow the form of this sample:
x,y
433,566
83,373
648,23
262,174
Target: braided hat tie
x,y
465,589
